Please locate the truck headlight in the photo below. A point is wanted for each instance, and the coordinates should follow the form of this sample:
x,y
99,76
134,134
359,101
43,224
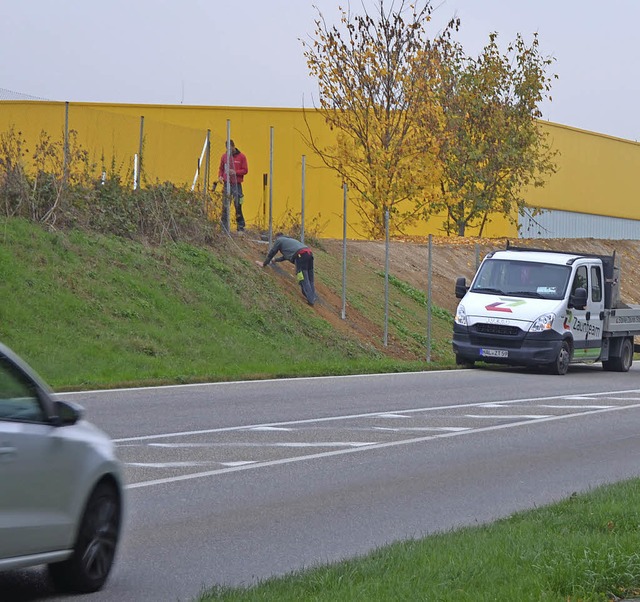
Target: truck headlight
x,y
543,323
461,316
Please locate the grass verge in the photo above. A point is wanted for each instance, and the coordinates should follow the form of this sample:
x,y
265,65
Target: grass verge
x,y
583,549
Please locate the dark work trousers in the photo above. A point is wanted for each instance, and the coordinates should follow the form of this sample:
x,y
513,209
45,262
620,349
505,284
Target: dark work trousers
x,y
236,197
303,261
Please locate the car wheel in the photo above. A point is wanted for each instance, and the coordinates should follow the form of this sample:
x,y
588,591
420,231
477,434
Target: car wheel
x,y
93,553
561,363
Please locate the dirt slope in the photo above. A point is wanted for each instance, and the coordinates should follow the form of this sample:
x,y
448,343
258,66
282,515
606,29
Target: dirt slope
x,y
409,262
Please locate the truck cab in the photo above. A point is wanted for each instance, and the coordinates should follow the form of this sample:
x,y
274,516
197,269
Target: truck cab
x,y
540,308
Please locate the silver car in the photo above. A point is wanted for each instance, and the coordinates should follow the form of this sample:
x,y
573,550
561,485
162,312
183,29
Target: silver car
x,y
60,484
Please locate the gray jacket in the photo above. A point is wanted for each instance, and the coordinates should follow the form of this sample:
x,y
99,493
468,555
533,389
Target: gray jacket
x,y
287,246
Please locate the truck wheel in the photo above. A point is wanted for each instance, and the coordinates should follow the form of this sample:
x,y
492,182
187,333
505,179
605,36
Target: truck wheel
x,y
622,362
561,363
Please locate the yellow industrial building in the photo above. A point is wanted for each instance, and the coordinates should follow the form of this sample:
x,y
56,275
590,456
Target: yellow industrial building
x,y
596,184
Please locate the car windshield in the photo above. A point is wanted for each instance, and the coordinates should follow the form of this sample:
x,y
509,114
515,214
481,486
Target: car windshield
x,y
522,279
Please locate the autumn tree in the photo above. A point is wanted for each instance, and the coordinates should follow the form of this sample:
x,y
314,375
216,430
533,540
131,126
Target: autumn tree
x,y
492,147
370,73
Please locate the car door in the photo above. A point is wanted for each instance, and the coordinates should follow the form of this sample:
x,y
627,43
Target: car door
x,y
586,323
35,471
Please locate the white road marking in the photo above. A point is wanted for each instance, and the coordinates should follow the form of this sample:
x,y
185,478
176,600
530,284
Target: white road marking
x,y
184,445
575,407
440,429
390,415
323,444
184,464
268,428
509,416
279,381
169,464
376,446
365,415
264,444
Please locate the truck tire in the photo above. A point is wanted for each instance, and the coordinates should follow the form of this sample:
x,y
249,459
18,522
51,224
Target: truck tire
x,y
622,362
561,364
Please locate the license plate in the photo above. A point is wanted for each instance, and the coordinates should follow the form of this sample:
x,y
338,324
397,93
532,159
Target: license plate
x,y
494,353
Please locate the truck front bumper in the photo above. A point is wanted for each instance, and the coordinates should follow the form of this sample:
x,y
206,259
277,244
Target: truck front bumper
x,y
522,349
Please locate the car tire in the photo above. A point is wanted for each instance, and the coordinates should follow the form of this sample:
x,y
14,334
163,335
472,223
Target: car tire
x,y
94,551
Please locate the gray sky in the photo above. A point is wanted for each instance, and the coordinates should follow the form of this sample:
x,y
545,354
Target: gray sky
x,y
248,53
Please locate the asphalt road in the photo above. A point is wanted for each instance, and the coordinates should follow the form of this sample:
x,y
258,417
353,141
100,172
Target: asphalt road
x,y
235,482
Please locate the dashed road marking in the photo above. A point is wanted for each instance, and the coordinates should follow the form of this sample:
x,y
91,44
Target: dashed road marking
x,y
348,447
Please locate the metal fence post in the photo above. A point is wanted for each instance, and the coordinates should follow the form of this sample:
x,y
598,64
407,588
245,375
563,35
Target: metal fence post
x,y
139,170
429,272
65,151
302,199
207,165
386,277
226,195
270,186
344,251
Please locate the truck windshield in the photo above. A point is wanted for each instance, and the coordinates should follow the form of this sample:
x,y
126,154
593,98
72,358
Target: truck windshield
x,y
522,279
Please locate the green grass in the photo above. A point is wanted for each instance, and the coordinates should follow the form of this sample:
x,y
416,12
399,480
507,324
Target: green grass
x,y
91,311
419,297
583,549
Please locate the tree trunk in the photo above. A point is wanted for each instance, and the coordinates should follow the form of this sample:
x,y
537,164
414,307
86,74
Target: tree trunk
x,y
460,221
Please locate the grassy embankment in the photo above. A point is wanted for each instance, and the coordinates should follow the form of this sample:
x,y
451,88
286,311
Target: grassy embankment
x,y
91,311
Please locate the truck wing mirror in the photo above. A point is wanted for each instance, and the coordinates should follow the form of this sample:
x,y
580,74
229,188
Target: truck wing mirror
x,y
461,287
579,298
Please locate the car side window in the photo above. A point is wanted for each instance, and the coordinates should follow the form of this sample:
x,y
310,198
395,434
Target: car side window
x,y
18,398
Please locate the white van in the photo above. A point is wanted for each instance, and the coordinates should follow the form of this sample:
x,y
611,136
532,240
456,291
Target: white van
x,y
545,308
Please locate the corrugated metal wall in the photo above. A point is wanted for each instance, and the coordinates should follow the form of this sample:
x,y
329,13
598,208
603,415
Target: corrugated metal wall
x,y
567,224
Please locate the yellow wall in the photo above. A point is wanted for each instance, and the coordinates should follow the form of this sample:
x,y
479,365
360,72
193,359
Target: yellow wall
x,y
596,173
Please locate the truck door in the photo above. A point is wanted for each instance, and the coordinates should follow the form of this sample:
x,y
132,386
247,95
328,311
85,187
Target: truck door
x,y
586,324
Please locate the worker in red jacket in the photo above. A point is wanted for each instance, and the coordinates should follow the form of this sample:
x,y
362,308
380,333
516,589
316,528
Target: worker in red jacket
x,y
233,168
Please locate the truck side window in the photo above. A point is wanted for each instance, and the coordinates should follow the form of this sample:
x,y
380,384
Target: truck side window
x,y
596,284
580,279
